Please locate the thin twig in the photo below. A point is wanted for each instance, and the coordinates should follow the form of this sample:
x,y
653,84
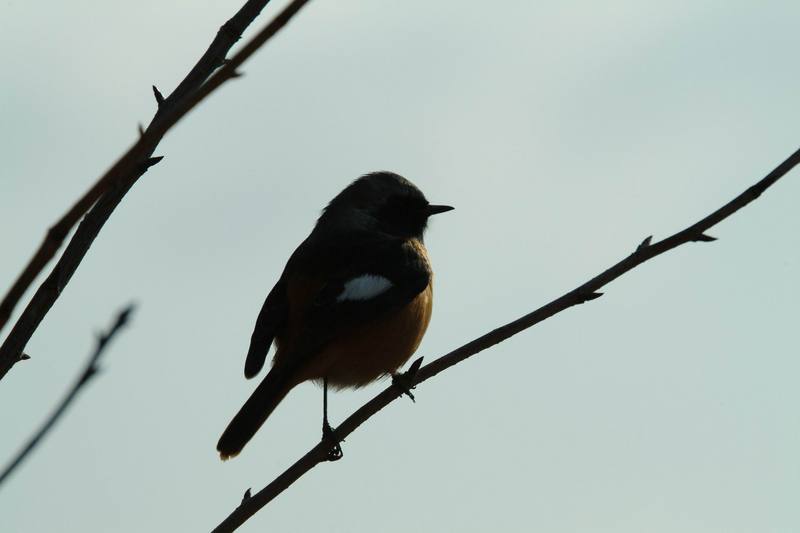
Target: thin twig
x,y
584,293
118,181
89,371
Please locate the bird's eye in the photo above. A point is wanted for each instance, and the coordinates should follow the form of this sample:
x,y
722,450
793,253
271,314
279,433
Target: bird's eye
x,y
403,215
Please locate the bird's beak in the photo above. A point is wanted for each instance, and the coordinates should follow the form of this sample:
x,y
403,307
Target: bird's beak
x,y
436,209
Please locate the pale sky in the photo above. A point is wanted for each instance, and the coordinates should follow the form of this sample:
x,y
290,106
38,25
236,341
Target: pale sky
x,y
564,132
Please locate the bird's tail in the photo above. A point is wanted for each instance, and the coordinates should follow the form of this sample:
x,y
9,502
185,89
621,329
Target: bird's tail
x,y
277,383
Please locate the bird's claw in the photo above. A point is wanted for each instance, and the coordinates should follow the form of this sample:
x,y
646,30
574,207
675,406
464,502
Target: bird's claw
x,y
335,453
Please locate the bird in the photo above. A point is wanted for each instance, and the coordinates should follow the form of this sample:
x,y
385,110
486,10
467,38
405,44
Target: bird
x,y
351,306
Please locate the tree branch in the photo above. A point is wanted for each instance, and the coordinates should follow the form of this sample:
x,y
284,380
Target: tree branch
x,y
588,291
89,371
227,36
118,180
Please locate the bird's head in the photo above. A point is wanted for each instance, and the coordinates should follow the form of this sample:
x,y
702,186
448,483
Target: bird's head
x,y
381,201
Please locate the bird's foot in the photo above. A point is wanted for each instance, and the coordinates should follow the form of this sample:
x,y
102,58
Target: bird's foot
x,y
405,380
328,435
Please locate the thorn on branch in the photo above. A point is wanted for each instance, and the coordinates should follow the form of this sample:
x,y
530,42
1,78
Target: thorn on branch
x,y
414,368
24,357
152,161
247,495
236,74
141,129
159,96
405,381
57,233
589,296
644,244
89,374
704,238
125,315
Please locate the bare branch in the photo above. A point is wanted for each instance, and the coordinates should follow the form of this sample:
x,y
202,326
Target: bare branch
x,y
116,182
587,291
89,371
125,168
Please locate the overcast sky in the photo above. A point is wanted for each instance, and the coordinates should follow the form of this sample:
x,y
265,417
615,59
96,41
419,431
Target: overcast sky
x,y
564,132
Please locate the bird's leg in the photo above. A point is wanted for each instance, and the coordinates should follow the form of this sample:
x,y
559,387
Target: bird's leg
x,y
405,380
328,434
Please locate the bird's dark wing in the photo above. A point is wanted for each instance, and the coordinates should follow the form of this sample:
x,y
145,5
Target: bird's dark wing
x,y
372,280
272,316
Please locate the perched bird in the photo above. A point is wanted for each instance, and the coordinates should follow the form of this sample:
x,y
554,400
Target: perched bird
x,y
352,304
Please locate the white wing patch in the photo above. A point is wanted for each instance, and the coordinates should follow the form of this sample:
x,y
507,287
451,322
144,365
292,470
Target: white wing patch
x,y
364,287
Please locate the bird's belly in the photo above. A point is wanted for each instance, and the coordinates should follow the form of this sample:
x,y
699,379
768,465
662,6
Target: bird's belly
x,y
378,348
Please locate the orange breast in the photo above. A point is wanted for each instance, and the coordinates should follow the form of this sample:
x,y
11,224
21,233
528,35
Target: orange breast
x,y
377,349
361,354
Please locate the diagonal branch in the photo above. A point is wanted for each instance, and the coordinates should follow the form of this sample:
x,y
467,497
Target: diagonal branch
x,y
227,36
118,180
89,371
588,291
